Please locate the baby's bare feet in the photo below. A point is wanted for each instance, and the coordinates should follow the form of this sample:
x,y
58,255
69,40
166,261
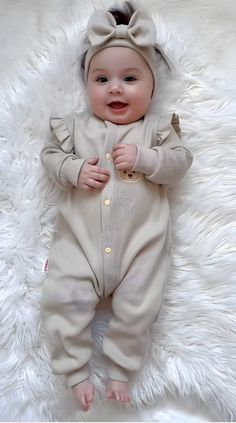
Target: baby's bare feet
x,y
117,390
84,392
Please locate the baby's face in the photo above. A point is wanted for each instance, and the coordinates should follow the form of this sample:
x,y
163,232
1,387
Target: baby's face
x,y
119,85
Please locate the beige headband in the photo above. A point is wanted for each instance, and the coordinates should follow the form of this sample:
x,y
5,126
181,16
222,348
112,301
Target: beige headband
x,y
139,35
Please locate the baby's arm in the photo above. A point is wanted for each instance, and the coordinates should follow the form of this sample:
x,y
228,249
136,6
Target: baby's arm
x,y
166,163
65,168
62,167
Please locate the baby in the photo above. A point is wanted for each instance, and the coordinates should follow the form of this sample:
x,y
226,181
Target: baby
x,y
114,164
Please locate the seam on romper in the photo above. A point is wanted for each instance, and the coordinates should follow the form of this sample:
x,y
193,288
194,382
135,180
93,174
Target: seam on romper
x,y
168,261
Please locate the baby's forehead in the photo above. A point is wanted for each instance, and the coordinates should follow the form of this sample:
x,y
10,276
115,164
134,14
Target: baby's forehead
x,y
118,58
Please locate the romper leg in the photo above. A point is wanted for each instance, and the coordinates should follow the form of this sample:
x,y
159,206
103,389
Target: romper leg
x,y
68,307
136,303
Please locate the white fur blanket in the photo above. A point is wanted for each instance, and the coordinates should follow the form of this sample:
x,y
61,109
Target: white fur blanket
x,y
191,355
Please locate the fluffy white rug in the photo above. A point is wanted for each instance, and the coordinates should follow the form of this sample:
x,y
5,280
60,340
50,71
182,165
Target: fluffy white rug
x,y
191,357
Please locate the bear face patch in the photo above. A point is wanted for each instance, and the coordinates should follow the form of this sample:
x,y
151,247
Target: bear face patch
x,y
129,175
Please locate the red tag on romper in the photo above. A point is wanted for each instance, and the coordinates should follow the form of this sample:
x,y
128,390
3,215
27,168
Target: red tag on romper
x,y
45,266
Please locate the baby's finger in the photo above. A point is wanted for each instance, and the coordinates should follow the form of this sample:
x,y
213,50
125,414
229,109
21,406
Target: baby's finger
x,y
120,159
100,170
95,184
100,177
117,153
119,146
93,161
123,166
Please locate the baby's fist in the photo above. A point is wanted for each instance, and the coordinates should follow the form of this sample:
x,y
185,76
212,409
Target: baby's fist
x,y
124,156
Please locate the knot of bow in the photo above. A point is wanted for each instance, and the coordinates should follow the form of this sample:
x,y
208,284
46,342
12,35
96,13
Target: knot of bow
x,y
102,27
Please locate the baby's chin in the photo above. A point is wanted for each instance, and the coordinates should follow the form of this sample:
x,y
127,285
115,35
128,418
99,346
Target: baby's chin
x,y
118,120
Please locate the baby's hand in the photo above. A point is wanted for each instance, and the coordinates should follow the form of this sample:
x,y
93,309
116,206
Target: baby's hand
x,y
92,177
124,156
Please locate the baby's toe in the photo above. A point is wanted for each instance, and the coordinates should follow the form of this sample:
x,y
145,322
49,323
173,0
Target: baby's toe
x,y
117,396
127,397
109,394
89,396
84,403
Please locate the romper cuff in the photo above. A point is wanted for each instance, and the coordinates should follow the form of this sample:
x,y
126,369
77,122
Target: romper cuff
x,y
70,170
78,376
115,372
146,161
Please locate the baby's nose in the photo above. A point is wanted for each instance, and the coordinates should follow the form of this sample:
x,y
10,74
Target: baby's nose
x,y
115,87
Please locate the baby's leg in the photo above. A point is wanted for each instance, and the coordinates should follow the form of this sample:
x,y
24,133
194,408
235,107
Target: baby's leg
x,y
68,323
84,392
136,303
68,307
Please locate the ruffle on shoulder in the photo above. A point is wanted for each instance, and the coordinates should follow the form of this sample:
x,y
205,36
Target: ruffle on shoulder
x,y
61,129
165,124
163,128
175,122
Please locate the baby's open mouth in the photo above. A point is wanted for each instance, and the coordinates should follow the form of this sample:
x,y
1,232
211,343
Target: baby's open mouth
x,y
117,105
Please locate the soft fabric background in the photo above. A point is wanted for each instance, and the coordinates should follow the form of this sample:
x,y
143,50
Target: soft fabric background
x,y
190,366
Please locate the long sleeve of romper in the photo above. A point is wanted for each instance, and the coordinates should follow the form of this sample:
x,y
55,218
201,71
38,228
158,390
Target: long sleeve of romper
x,y
58,157
168,161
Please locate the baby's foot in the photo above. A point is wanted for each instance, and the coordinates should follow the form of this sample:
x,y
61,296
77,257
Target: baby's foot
x,y
84,392
117,390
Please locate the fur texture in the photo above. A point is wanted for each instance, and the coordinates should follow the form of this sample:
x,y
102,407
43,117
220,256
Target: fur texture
x,y
190,362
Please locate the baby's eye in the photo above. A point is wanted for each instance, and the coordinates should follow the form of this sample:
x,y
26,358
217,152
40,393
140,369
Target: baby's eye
x,y
129,78
102,79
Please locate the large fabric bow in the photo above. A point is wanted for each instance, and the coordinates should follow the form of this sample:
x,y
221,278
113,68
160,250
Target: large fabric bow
x,y
102,27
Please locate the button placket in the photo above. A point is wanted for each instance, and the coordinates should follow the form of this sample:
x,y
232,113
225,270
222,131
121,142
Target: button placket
x,y
106,209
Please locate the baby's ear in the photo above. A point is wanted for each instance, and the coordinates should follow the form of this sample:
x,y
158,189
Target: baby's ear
x,y
175,122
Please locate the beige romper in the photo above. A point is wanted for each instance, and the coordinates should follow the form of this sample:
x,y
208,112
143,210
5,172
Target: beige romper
x,y
111,241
